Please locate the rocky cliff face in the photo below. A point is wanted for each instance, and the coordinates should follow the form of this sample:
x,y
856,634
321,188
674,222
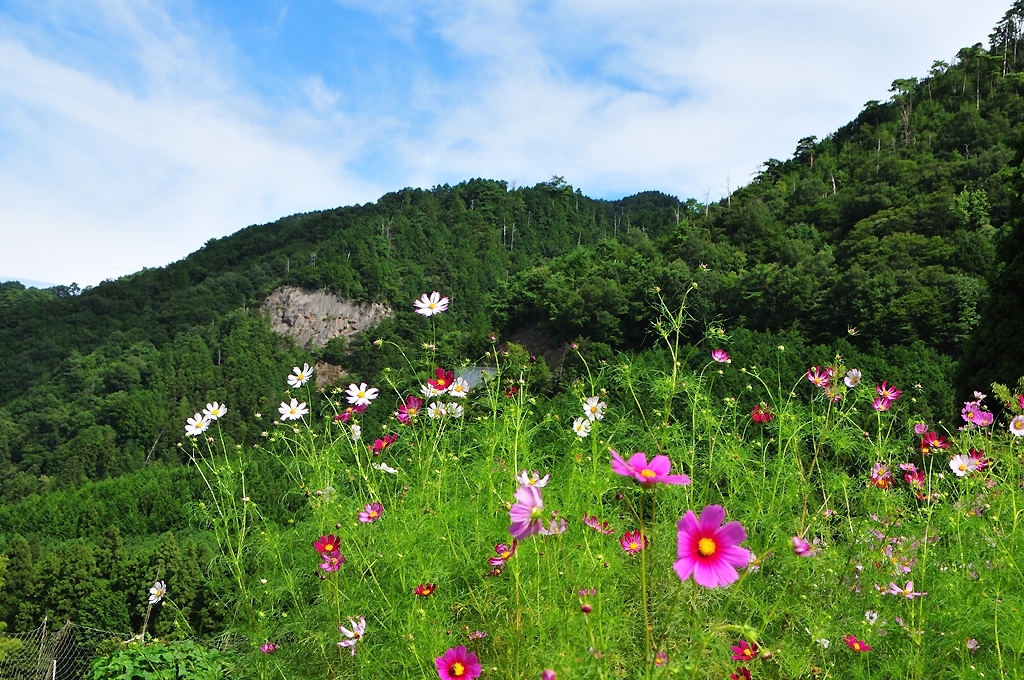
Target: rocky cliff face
x,y
314,317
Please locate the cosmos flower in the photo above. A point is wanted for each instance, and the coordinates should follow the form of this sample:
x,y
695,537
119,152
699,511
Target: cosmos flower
x,y
441,382
535,479
633,542
721,356
852,378
915,479
332,561
360,394
1017,426
371,513
269,647
660,659
855,644
761,414
962,464
881,476
454,409
196,425
980,461
505,553
906,591
920,428
881,404
383,467
349,412
380,444
597,525
409,409
425,589
932,442
581,426
353,634
742,673
744,651
458,664
556,526
818,377
435,410
459,388
477,635
802,548
214,411
887,391
526,513
647,474
593,408
429,305
326,544
300,376
710,551
157,592
293,411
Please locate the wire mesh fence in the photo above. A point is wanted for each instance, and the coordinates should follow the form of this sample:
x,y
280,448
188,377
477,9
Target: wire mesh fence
x,y
53,653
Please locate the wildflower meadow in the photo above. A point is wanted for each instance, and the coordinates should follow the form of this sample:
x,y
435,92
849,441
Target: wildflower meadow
x,y
459,523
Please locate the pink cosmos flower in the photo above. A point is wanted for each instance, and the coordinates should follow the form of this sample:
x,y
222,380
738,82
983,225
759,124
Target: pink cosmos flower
x,y
371,512
744,651
597,525
332,561
505,553
908,467
409,409
1017,426
818,377
980,461
881,476
709,551
548,674
915,479
458,664
721,356
661,659
802,548
881,404
429,305
381,444
906,591
741,674
353,634
556,526
526,513
1020,401
932,442
985,419
525,479
633,542
855,644
647,474
269,647
920,428
477,635
887,391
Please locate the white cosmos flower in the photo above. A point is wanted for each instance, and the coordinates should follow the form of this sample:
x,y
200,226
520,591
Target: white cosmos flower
x,y
429,305
454,409
293,411
961,464
384,467
300,376
196,425
357,432
1017,426
361,395
594,408
157,592
459,388
852,378
214,411
526,479
352,635
435,410
581,426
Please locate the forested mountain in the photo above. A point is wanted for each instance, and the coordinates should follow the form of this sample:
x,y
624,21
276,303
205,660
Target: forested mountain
x,y
881,239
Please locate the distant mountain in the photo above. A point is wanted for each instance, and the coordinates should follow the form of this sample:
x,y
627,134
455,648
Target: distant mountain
x,y
28,283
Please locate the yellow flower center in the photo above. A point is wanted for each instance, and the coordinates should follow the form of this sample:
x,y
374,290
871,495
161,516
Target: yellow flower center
x,y
372,514
361,394
505,555
856,646
634,545
647,474
706,547
457,669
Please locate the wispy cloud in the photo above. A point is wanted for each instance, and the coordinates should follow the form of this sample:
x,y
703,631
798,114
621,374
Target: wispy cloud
x,y
131,132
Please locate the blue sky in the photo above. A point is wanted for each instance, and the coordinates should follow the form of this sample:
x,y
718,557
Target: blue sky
x,y
132,131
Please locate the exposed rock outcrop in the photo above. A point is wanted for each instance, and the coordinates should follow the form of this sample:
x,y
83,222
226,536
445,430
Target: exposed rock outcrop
x,y
314,317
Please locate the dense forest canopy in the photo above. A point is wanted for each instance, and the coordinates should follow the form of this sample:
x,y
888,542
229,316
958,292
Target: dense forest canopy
x,y
897,240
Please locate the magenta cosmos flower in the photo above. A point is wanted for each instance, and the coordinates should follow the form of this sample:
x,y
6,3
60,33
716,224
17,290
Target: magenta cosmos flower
x,y
886,391
526,513
744,651
648,474
458,664
721,356
326,544
409,409
505,553
819,377
855,644
931,442
710,551
371,512
381,444
633,542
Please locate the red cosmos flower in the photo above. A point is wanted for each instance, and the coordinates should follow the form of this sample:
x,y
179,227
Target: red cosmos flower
x,y
409,409
425,589
744,651
855,644
741,674
442,380
881,475
915,479
326,544
347,414
980,461
887,391
762,414
932,442
633,542
381,444
505,553
511,391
